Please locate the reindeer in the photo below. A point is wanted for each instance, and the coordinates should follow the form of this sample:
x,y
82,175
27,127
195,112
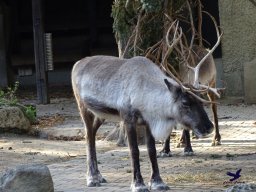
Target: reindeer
x,y
207,75
203,76
137,92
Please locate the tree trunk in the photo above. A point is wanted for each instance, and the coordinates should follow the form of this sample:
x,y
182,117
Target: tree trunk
x,y
119,134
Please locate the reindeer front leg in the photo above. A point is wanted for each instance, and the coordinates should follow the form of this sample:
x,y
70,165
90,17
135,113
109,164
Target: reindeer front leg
x,y
156,182
130,127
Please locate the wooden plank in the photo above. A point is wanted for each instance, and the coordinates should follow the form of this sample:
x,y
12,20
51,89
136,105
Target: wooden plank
x,y
39,49
3,63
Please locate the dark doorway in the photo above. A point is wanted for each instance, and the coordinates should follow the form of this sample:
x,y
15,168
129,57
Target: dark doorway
x,y
208,29
79,28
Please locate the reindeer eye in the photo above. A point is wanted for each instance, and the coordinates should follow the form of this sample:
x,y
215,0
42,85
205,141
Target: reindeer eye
x,y
185,103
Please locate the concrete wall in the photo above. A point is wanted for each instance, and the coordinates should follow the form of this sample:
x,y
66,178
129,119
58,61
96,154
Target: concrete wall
x,y
250,81
238,21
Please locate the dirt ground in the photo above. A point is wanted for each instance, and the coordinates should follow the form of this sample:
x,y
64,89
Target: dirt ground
x,y
205,171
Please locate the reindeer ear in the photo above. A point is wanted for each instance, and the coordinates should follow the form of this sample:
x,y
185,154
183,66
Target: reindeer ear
x,y
172,88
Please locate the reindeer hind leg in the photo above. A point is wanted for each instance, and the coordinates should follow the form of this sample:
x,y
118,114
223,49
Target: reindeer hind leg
x,y
182,140
92,123
216,138
188,151
166,152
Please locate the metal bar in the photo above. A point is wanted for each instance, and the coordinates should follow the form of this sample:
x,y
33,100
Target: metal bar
x,y
40,55
48,49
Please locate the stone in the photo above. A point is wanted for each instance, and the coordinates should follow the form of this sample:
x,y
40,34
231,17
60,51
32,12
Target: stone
x,y
249,81
242,187
29,178
13,118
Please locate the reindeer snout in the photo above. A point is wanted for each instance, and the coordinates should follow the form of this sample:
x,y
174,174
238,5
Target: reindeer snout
x,y
208,129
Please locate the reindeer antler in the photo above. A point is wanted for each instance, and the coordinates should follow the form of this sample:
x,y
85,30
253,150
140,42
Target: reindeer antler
x,y
196,69
176,38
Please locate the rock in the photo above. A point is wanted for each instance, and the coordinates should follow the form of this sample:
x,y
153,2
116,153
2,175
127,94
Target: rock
x,y
29,178
242,187
13,118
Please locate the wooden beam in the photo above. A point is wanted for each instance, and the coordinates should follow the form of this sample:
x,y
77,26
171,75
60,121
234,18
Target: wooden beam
x,y
3,63
39,49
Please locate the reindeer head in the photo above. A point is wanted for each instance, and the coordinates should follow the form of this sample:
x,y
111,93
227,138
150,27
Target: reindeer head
x,y
190,111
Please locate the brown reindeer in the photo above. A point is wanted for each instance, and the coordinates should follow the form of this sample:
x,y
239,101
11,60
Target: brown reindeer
x,y
203,75
207,76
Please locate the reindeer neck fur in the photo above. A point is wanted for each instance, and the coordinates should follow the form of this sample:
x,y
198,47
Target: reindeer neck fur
x,y
133,84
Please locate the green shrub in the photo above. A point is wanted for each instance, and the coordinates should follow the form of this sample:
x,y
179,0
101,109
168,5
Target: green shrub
x,y
8,97
30,112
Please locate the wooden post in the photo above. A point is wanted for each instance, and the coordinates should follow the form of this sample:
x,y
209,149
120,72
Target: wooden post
x,y
40,53
3,63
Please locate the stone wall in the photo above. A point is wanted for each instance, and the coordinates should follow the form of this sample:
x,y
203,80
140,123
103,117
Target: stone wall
x,y
237,20
250,81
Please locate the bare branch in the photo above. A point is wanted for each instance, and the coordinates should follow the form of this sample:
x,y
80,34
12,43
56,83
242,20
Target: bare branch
x,y
175,39
152,48
200,23
192,26
137,31
128,44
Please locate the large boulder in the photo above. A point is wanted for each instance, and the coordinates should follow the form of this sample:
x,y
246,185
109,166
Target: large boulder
x,y
13,118
27,178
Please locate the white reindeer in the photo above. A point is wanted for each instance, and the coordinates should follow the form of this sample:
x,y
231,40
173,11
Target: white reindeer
x,y
134,91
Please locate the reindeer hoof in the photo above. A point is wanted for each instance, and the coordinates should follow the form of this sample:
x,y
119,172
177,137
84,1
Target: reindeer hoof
x,y
195,137
139,187
95,181
164,154
188,152
216,143
101,179
159,186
